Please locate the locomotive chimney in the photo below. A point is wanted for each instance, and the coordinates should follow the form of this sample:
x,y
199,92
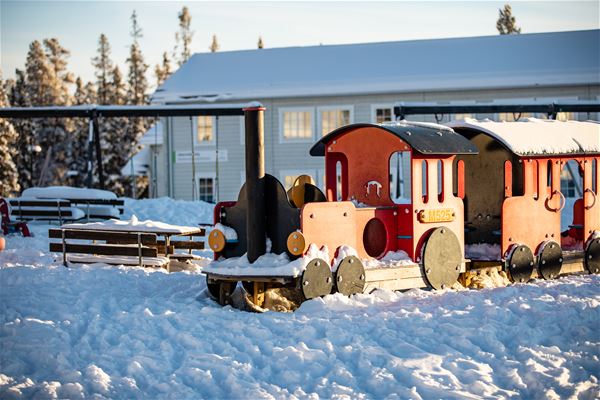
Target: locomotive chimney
x,y
255,185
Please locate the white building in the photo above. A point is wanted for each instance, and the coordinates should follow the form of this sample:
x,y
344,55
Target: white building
x,y
309,91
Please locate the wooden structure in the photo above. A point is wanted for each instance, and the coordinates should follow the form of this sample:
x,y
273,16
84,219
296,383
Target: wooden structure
x,y
126,245
520,212
521,209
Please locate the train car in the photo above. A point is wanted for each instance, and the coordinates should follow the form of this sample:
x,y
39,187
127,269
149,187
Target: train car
x,y
358,218
410,205
514,199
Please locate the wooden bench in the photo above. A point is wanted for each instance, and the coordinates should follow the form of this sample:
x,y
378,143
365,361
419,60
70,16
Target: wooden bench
x,y
44,209
118,248
94,208
188,245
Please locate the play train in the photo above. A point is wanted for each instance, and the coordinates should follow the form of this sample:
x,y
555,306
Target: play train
x,y
469,184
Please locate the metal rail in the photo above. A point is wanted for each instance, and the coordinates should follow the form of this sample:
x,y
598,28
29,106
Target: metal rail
x,y
93,112
401,110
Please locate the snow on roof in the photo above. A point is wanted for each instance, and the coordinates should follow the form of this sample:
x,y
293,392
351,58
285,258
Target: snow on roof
x,y
537,136
555,58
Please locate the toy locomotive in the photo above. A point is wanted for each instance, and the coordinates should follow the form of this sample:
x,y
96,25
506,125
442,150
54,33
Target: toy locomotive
x,y
468,183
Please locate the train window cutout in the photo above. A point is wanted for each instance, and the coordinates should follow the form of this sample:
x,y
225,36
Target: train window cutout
x,y
436,194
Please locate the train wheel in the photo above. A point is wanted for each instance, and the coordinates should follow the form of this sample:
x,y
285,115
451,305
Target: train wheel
x,y
220,291
520,264
317,279
442,258
213,289
350,276
592,256
550,260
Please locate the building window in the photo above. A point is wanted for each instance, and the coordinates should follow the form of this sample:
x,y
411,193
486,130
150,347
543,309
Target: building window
x,y
566,116
381,113
296,124
206,189
458,117
288,177
512,117
204,131
333,118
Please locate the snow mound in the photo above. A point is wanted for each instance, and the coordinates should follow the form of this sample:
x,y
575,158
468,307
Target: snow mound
x,y
130,333
170,211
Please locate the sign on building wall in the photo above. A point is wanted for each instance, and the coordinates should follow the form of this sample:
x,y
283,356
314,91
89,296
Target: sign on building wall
x,y
183,157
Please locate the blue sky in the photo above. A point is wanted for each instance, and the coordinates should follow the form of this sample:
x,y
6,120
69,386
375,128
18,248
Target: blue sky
x,y
77,24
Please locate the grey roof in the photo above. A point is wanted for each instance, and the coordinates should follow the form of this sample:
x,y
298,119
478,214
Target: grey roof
x,y
501,61
427,139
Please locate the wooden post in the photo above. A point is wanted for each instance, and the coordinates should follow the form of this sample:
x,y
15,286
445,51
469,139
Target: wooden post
x,y
255,172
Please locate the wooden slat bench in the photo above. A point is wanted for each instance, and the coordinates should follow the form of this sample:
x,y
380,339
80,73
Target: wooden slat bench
x,y
94,208
188,245
47,210
119,248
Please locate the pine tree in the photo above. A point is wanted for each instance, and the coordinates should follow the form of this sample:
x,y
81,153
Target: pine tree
x,y
162,71
214,46
114,135
261,45
183,38
54,133
136,94
138,84
84,94
9,177
57,58
506,23
118,95
104,66
26,142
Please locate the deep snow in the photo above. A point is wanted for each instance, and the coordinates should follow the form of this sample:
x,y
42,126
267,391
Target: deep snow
x,y
109,332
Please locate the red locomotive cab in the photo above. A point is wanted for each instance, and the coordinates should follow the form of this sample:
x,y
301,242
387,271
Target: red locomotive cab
x,y
521,213
365,209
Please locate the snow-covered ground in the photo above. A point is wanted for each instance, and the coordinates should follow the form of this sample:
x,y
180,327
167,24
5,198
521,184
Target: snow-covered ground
x,y
109,332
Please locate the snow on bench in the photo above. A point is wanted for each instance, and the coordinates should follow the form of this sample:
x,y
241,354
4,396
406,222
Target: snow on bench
x,y
139,226
133,240
95,203
158,261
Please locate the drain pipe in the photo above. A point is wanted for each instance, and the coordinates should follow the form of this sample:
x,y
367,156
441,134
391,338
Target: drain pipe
x,y
255,183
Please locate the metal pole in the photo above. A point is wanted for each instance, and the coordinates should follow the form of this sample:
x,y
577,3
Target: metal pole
x,y
96,129
193,159
217,160
90,153
255,185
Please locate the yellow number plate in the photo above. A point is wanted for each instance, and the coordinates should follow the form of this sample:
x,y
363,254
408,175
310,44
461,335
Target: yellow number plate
x,y
436,215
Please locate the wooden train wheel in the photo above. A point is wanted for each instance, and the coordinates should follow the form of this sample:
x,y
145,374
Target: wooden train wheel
x,y
220,291
350,276
317,279
442,258
592,256
550,260
520,264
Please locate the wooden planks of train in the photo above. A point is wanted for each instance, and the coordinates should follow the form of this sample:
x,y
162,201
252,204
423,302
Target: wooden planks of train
x,y
411,205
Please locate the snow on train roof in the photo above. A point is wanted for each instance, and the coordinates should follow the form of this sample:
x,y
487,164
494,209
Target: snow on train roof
x,y
534,136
